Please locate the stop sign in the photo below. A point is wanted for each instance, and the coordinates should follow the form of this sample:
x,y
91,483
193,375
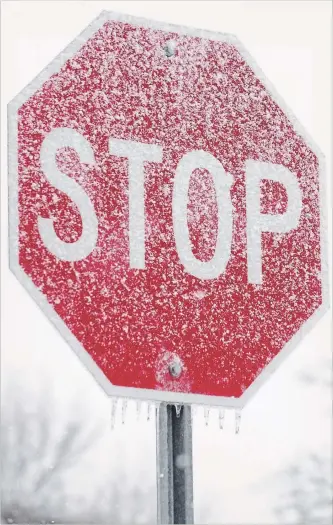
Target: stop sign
x,y
166,211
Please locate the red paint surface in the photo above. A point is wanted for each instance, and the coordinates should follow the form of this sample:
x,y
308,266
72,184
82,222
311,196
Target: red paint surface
x,y
225,330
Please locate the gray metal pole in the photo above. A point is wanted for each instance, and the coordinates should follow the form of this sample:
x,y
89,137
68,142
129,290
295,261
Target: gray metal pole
x,y
174,465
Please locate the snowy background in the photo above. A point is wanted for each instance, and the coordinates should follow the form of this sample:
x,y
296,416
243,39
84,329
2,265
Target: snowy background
x,y
60,459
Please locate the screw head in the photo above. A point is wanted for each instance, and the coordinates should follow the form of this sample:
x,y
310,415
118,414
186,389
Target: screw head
x,y
175,369
170,48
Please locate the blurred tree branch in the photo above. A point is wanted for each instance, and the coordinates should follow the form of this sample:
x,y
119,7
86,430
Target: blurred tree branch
x,y
35,456
39,449
307,493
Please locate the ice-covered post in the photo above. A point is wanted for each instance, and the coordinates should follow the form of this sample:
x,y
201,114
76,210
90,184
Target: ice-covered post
x,y
174,464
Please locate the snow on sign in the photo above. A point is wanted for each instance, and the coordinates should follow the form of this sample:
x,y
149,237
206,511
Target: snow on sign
x,y
166,211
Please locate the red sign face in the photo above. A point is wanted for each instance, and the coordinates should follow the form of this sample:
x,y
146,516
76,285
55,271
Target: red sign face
x,y
166,211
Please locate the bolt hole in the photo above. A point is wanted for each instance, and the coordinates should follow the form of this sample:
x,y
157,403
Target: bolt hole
x,y
169,48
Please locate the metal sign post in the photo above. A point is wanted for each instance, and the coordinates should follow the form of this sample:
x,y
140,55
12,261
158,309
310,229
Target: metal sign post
x,y
174,464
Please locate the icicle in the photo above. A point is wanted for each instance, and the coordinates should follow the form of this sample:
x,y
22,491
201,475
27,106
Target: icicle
x,y
206,415
113,412
178,408
221,417
148,411
138,409
123,411
237,420
192,413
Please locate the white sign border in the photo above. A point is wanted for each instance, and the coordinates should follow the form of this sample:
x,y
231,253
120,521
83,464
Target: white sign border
x,y
40,299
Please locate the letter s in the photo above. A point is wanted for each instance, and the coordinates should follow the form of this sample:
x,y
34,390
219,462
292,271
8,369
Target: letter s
x,y
80,249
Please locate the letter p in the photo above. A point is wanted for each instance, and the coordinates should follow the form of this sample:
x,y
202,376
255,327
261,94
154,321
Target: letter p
x,y
258,222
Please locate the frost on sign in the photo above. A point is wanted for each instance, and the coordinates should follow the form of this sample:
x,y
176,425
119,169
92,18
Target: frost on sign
x,y
165,211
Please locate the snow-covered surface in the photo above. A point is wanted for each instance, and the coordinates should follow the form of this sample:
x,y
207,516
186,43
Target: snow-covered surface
x,y
287,418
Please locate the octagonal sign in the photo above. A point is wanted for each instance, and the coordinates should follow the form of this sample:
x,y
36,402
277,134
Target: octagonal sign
x,y
166,211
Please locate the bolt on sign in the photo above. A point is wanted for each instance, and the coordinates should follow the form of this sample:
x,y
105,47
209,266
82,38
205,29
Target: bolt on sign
x,y
166,211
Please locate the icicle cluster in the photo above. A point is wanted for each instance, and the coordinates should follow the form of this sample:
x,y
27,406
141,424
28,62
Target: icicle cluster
x,y
178,407
124,405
